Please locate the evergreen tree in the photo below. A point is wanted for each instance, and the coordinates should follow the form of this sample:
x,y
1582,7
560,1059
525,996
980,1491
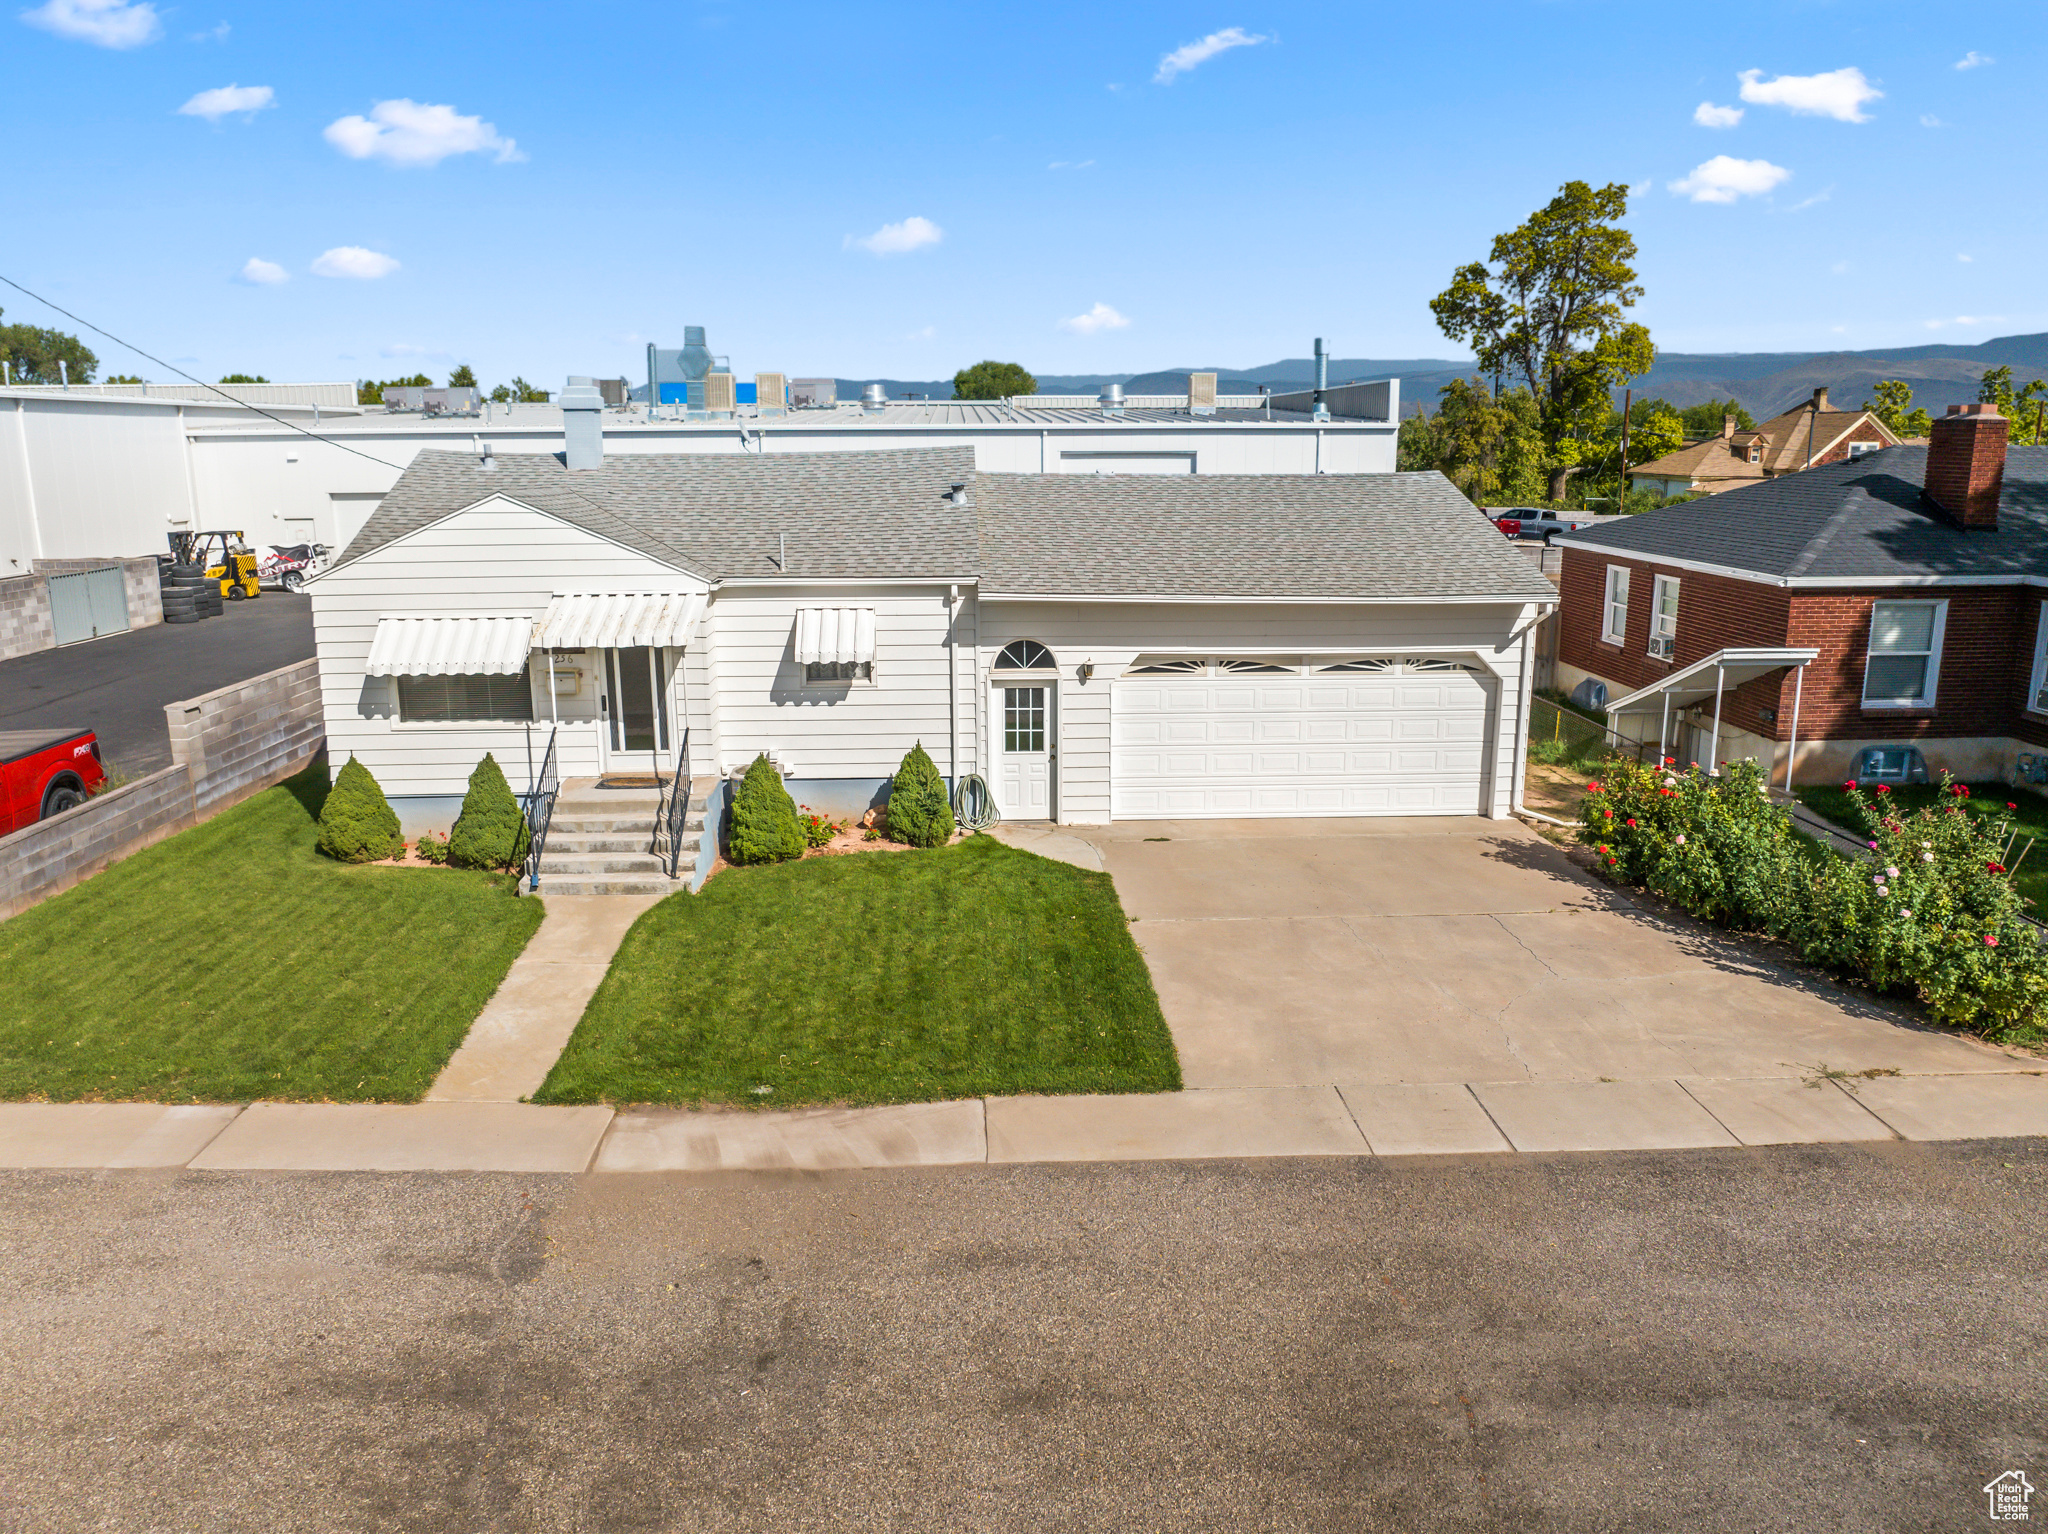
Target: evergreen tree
x,y
356,824
764,828
918,811
491,830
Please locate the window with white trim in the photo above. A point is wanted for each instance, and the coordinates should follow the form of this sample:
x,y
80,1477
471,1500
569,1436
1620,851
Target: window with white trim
x,y
1664,617
480,697
1858,449
1904,657
1614,623
826,673
2037,688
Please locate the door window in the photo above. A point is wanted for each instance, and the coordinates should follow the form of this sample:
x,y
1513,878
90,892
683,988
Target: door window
x,y
638,702
1023,719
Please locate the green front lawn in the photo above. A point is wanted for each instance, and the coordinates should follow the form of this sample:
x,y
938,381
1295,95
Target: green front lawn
x,y
888,977
2030,875
233,961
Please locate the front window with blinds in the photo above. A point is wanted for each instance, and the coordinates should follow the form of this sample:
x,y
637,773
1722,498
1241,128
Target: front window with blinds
x,y
1905,654
1614,623
464,699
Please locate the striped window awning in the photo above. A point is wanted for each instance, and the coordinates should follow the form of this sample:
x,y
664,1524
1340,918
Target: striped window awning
x,y
619,620
835,634
495,646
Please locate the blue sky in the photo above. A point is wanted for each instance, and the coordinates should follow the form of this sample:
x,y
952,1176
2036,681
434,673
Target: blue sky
x,y
898,190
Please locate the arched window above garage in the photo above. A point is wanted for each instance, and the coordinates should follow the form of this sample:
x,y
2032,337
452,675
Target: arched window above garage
x,y
1025,655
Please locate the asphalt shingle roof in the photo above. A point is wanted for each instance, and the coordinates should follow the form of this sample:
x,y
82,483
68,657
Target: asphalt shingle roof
x,y
885,514
1866,519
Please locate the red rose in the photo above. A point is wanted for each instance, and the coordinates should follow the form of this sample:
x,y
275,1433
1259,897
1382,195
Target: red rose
x,y
1882,789
1609,814
1850,784
1631,822
2012,806
1990,941
1592,788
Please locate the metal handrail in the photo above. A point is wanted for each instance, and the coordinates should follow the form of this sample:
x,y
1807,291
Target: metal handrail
x,y
539,809
673,810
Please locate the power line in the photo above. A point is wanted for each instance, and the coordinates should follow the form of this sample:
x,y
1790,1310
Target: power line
x,y
244,404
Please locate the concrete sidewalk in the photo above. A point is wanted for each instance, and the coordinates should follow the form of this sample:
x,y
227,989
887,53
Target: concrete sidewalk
x,y
1368,1119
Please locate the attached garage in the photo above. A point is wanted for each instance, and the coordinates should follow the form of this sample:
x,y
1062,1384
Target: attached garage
x,y
1367,735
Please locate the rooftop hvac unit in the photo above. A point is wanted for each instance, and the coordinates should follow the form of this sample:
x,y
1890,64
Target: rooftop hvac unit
x,y
450,401
613,390
771,391
404,397
677,377
813,393
719,398
1202,393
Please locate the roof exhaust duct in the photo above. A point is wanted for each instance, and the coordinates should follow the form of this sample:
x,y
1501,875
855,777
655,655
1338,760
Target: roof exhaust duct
x,y
1321,405
874,398
582,425
1112,399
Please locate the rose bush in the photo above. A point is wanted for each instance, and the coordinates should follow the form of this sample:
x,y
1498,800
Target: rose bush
x,y
1932,908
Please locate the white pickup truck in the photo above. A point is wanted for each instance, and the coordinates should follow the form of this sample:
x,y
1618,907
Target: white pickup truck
x,y
1528,522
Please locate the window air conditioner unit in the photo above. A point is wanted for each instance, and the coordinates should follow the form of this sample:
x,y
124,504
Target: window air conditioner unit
x,y
1660,646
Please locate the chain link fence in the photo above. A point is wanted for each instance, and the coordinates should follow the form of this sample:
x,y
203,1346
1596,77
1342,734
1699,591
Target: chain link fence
x,y
1564,735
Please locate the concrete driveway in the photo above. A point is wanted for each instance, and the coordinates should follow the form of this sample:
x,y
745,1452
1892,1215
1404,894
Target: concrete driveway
x,y
1362,952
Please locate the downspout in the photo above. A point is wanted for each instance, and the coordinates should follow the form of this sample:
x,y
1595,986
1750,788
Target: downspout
x,y
1525,689
192,476
1792,749
952,694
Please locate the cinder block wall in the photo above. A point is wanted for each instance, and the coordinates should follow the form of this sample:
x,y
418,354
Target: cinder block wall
x,y
225,746
25,616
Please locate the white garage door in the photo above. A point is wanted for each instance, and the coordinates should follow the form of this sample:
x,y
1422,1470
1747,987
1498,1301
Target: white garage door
x,y
1379,736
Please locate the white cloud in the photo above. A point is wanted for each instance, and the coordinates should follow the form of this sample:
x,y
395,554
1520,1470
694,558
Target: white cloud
x,y
1725,178
1707,115
1188,55
897,239
1806,202
1070,165
108,23
354,261
1929,120
1961,257
405,132
1101,317
1642,187
261,273
1974,60
1966,319
215,104
1840,93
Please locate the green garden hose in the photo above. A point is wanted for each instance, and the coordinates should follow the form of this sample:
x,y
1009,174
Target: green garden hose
x,y
974,807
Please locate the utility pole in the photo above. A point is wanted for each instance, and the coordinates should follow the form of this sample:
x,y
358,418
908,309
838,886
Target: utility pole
x,y
1621,495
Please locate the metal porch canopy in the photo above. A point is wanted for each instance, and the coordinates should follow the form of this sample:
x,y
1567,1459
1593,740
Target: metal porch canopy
x,y
628,620
1710,678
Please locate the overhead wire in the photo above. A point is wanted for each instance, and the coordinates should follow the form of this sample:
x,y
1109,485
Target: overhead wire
x,y
202,383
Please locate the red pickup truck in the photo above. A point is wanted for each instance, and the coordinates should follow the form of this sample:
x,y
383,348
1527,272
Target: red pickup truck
x,y
44,773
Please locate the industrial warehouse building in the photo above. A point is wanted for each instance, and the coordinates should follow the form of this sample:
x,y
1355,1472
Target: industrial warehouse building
x,y
1102,648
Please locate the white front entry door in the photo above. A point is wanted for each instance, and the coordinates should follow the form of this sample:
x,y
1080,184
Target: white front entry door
x,y
1368,737
1024,764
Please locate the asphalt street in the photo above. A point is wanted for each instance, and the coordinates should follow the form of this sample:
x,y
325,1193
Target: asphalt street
x,y
1824,1338
119,685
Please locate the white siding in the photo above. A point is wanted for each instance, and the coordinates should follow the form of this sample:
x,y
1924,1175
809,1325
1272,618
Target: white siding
x,y
758,700
1111,635
494,558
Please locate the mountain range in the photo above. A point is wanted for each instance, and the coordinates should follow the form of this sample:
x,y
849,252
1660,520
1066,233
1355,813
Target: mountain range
x,y
1939,374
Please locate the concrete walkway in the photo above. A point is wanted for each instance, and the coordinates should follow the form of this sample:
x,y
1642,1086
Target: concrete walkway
x,y
523,1028
1367,1119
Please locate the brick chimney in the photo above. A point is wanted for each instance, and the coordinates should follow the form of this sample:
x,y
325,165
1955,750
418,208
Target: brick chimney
x,y
1727,426
1966,464
1820,399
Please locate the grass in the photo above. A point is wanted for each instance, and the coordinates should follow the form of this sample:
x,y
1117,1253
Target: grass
x,y
875,978
1986,800
234,961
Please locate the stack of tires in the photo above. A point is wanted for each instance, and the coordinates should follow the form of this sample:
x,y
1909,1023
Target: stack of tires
x,y
188,593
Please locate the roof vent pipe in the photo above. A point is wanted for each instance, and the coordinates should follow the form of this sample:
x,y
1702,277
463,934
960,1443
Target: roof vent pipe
x,y
582,425
1112,399
874,397
1322,408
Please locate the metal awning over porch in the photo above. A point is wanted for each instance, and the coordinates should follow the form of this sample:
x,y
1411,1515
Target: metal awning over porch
x,y
629,620
1691,686
464,646
1705,679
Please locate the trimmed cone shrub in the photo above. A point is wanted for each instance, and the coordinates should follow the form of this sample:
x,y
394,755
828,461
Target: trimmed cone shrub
x,y
356,824
918,811
490,832
764,825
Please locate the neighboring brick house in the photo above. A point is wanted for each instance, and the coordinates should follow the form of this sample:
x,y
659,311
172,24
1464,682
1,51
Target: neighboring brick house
x,y
1802,438
1892,599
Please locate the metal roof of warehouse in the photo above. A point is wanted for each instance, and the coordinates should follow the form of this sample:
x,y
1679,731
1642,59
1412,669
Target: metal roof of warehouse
x,y
888,515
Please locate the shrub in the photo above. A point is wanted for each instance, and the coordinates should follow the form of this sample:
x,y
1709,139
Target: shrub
x,y
356,825
1931,910
434,849
918,811
764,826
491,830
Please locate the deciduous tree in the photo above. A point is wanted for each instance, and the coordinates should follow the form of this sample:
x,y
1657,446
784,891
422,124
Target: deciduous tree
x,y
2023,405
32,355
993,380
1548,310
1894,407
1704,419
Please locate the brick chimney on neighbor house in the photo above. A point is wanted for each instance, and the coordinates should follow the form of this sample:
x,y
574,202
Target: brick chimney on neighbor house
x,y
1966,463
1820,399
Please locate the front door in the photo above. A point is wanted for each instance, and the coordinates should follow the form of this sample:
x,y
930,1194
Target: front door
x,y
1025,771
635,724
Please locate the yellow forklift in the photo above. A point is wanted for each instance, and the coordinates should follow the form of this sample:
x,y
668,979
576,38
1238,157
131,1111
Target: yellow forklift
x,y
224,558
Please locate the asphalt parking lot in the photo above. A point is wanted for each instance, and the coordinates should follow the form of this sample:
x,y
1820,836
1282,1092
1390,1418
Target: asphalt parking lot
x,y
1799,1338
120,685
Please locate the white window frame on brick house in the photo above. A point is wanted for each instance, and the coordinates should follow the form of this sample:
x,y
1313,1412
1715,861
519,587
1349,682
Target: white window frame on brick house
x,y
2037,683
1930,658
1858,449
1614,607
1663,624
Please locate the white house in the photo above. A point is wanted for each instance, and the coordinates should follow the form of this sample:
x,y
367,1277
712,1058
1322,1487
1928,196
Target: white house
x,y
1097,648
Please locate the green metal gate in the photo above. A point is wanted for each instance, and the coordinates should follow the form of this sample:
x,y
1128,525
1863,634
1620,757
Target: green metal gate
x,y
89,604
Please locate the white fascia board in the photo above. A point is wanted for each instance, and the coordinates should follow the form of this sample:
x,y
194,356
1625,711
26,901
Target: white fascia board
x,y
1262,601
830,583
500,497
1801,582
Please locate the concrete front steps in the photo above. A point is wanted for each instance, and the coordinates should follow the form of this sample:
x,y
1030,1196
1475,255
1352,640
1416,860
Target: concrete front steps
x,y
600,840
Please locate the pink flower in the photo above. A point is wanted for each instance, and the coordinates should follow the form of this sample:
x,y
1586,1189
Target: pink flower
x,y
1990,941
1891,873
1681,841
